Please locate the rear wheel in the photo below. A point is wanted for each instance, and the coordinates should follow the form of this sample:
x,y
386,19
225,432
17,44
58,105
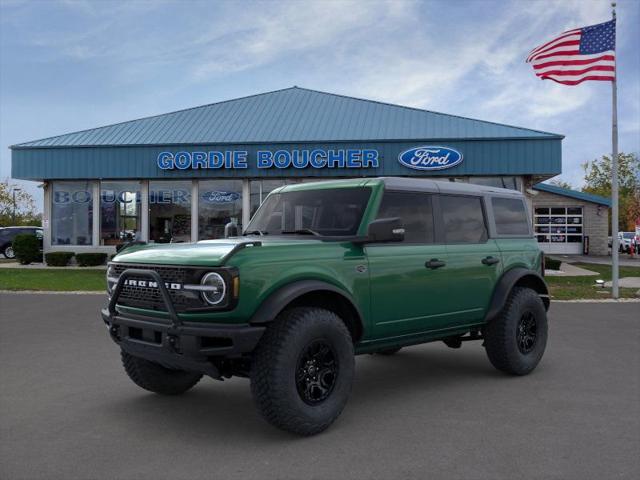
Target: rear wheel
x,y
515,340
156,378
302,370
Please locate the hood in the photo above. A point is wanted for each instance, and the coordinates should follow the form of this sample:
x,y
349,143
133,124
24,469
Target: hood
x,y
207,253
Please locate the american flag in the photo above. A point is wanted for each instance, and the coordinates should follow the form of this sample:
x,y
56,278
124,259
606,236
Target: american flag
x,y
587,53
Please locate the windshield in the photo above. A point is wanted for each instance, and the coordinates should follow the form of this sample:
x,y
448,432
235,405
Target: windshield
x,y
628,234
324,212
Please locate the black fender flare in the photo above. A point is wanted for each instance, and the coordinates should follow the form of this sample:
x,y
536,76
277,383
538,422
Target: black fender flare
x,y
508,280
282,297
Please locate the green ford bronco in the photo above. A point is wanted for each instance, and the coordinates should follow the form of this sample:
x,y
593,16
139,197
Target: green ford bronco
x,y
323,272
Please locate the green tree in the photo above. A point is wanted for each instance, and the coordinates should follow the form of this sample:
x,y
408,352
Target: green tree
x,y
597,180
558,182
25,207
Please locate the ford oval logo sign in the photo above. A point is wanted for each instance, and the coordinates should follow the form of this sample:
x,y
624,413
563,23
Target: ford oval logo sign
x,y
220,197
430,158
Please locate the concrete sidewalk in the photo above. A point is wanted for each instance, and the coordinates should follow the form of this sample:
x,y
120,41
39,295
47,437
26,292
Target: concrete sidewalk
x,y
568,270
624,259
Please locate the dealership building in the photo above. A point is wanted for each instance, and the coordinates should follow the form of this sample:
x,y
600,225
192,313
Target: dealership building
x,y
183,176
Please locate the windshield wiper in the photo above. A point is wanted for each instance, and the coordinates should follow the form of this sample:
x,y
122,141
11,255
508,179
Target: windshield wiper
x,y
302,231
255,232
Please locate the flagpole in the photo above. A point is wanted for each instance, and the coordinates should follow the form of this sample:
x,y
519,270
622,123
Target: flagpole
x,y
614,177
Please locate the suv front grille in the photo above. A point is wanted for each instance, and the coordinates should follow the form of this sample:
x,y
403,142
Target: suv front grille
x,y
150,298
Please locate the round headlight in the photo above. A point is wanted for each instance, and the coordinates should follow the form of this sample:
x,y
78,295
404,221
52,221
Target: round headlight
x,y
215,288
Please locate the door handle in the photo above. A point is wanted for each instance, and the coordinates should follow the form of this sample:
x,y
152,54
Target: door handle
x,y
490,260
434,263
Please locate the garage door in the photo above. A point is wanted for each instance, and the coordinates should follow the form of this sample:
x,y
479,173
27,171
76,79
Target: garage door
x,y
559,229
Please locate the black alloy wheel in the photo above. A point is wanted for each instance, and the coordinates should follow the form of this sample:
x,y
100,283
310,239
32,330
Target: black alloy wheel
x,y
317,372
527,332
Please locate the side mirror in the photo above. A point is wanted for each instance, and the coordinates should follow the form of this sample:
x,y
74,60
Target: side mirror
x,y
385,230
230,230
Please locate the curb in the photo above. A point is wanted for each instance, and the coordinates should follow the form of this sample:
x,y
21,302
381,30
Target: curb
x,y
596,300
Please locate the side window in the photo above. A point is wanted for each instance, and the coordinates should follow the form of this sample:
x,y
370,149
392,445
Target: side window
x,y
463,219
511,216
415,211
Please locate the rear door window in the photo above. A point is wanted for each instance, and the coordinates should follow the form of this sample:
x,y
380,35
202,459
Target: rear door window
x,y
511,216
463,219
414,210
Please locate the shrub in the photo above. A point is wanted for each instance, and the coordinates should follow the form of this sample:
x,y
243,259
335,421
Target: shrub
x,y
27,248
58,259
552,263
90,259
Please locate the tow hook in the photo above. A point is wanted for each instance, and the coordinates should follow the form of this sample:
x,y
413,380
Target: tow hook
x,y
172,340
114,331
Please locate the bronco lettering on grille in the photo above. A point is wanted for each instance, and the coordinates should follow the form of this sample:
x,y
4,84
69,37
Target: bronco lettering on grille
x,y
151,284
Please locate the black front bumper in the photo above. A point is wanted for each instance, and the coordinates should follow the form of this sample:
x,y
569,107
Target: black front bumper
x,y
190,346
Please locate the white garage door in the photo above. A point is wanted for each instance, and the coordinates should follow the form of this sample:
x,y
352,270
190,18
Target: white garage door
x,y
559,229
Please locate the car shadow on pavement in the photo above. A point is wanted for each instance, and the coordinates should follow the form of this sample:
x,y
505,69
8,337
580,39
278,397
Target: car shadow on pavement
x,y
213,407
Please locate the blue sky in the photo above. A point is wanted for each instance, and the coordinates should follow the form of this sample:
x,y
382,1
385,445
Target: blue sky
x,y
72,65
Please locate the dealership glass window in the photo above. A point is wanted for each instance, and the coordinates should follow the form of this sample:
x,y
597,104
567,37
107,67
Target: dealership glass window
x,y
511,216
463,219
119,212
219,202
170,211
72,213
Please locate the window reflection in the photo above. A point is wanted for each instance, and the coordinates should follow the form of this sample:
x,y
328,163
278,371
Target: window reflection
x,y
170,211
119,212
72,213
219,202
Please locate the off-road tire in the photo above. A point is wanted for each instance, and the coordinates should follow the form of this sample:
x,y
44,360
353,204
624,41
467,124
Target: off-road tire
x,y
156,378
277,361
501,333
388,351
8,252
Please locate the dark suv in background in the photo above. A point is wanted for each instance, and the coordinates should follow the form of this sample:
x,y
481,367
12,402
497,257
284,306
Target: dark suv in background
x,y
7,234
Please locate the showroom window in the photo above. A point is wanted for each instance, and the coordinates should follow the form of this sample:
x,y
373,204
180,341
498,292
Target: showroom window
x,y
170,211
119,212
72,213
219,202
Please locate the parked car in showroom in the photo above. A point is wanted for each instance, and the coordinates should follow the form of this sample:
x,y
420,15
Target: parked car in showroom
x,y
7,234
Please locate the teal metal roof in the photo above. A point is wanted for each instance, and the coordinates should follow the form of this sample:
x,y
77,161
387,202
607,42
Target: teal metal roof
x,y
289,116
565,192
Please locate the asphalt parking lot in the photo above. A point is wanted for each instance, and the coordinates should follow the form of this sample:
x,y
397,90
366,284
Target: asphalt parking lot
x,y
69,412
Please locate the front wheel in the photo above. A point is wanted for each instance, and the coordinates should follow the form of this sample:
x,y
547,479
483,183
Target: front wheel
x,y
516,339
302,370
156,378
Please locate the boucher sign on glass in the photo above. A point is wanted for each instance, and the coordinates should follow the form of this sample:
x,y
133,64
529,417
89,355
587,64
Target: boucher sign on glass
x,y
430,158
266,159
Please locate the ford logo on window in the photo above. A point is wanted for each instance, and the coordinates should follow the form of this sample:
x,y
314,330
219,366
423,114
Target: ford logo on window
x,y
220,197
430,158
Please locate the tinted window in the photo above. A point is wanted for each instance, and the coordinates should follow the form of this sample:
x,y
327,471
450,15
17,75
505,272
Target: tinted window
x,y
463,219
415,212
330,211
511,216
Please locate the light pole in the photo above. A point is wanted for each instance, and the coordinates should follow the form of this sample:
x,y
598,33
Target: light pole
x,y
14,203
